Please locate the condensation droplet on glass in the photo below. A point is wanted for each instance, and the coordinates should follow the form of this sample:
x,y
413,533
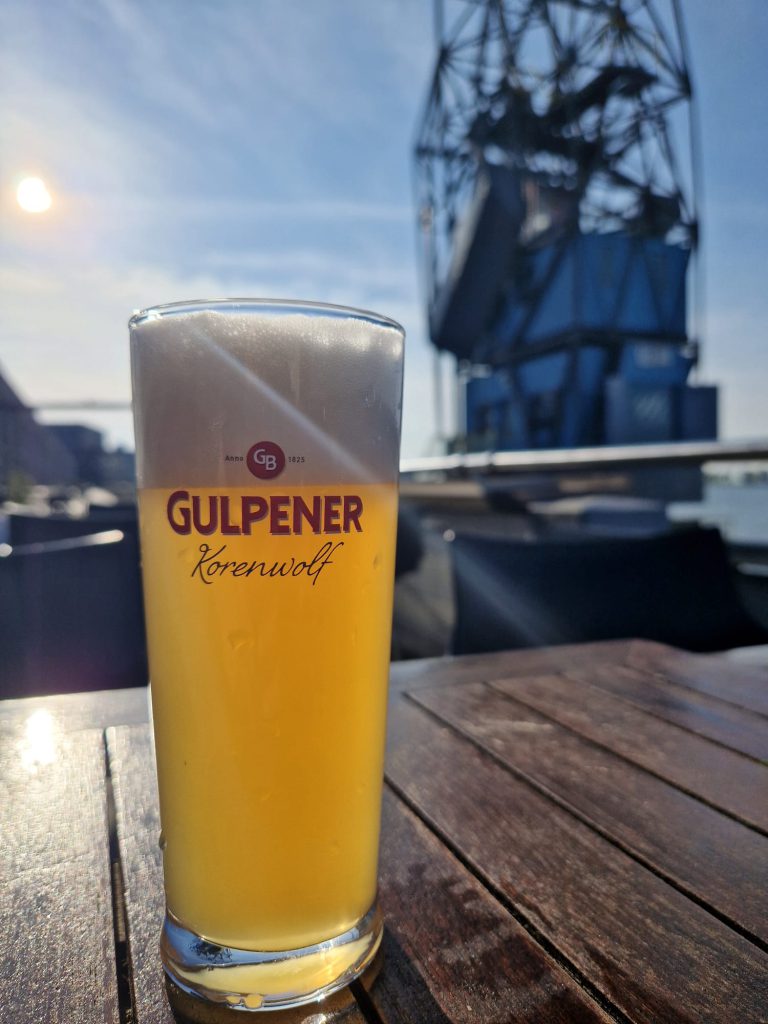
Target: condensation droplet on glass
x,y
238,639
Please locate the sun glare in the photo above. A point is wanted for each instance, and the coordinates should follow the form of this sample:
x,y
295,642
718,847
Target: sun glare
x,y
38,746
33,196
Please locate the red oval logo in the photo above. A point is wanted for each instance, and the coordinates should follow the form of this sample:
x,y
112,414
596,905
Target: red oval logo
x,y
265,460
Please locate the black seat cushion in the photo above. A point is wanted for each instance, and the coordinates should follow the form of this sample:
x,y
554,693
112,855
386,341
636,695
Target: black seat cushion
x,y
676,588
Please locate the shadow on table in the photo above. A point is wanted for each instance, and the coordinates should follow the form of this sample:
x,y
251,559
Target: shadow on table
x,y
398,981
401,991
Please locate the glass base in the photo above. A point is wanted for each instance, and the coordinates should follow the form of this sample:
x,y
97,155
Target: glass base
x,y
248,980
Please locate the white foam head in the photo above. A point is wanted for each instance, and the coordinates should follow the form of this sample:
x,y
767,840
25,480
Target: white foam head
x,y
211,379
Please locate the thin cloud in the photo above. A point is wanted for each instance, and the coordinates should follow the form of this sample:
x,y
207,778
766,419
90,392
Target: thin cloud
x,y
206,207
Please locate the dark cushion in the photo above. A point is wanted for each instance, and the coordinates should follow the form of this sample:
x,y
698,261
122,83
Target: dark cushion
x,y
676,588
71,617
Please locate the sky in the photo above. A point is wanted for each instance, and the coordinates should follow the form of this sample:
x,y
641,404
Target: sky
x,y
199,148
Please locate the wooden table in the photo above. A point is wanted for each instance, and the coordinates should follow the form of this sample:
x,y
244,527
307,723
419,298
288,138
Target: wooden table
x,y
570,835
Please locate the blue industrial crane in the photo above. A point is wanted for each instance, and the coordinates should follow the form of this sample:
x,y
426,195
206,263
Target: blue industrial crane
x,y
555,177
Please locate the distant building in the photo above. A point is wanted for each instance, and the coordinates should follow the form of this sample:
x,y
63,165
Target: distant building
x,y
29,451
118,467
85,445
95,465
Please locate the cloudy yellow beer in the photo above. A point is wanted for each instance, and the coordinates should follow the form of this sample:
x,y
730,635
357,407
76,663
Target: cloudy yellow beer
x,y
270,727
267,443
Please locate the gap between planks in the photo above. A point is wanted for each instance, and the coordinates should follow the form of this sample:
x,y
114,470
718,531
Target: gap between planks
x,y
566,806
125,994
364,1003
703,714
497,684
747,686
685,959
549,947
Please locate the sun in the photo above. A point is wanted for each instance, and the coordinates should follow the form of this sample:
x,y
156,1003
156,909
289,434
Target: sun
x,y
33,196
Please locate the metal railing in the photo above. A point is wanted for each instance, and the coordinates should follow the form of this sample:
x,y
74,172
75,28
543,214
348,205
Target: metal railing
x,y
570,459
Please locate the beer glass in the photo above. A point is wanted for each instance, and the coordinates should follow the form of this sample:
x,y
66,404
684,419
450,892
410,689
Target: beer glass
x,y
267,442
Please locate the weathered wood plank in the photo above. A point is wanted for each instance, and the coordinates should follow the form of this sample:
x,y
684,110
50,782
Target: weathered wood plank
x,y
734,727
655,954
56,924
138,824
481,667
452,952
714,674
72,712
718,860
723,778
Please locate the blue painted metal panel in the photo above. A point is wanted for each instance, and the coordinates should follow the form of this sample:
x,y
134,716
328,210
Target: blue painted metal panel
x,y
543,374
639,412
698,413
610,304
484,254
654,364
486,400
636,414
591,369
603,283
557,311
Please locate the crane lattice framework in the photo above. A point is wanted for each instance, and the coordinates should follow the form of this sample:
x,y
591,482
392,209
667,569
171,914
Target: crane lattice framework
x,y
556,194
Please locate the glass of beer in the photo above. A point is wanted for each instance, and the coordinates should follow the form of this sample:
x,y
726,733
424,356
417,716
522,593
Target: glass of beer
x,y
267,441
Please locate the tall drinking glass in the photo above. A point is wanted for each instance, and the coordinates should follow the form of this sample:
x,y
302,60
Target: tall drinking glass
x,y
267,440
